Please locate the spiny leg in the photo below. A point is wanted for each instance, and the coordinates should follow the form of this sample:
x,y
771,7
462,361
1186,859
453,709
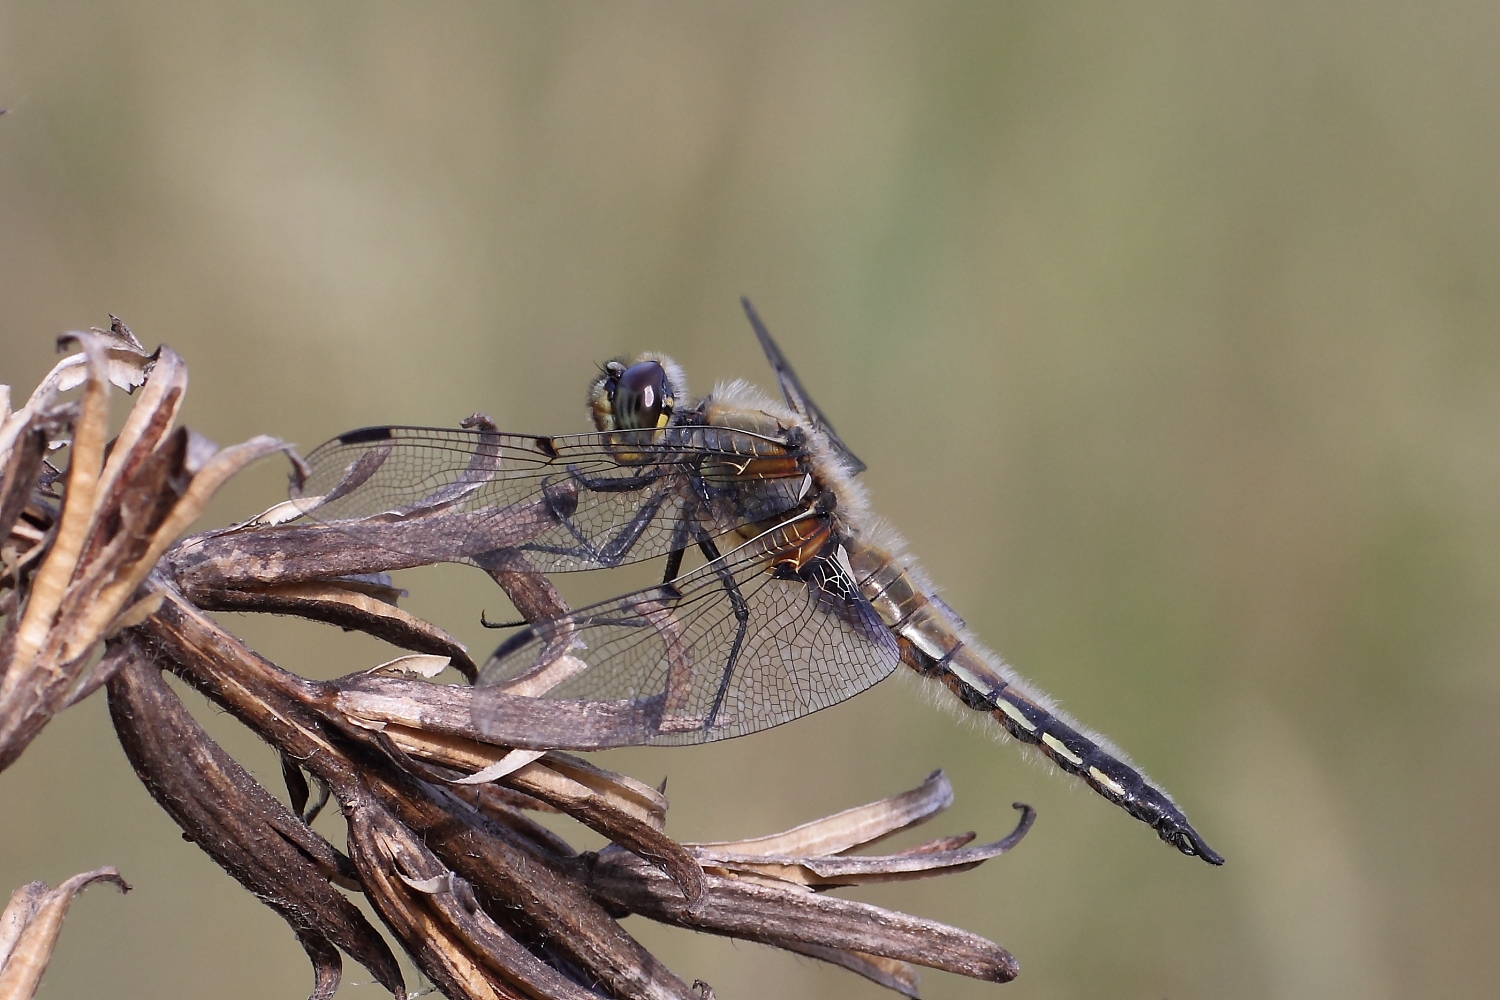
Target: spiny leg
x,y
613,552
742,626
674,567
680,534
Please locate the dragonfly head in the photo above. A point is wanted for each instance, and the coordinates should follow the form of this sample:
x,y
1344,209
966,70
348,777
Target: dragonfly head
x,y
640,395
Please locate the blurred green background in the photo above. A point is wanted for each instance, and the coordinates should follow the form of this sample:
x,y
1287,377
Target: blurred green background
x,y
1168,332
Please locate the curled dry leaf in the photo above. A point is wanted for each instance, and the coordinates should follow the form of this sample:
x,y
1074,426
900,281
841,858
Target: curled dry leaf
x,y
814,854
225,811
415,664
348,605
756,893
779,916
30,925
860,826
472,947
116,517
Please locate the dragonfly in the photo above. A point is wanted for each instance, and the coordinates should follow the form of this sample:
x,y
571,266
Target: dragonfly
x,y
801,600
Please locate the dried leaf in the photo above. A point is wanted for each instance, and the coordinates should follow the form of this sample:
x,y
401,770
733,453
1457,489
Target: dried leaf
x,y
508,868
28,957
340,603
17,914
622,809
462,944
888,972
507,764
22,464
824,872
857,827
84,467
491,716
780,915
150,419
294,553
238,823
416,664
281,513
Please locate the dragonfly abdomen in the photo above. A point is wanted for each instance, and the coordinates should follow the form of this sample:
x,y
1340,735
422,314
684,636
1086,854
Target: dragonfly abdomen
x,y
936,646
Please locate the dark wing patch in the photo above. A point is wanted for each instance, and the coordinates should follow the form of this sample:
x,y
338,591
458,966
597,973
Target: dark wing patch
x,y
679,654
570,502
796,397
365,435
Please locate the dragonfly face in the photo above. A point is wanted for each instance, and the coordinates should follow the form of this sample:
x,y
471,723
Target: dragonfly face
x,y
801,600
643,395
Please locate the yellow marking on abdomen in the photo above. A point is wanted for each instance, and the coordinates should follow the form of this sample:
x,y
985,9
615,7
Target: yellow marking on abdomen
x,y
1061,750
1106,781
968,677
1016,715
926,642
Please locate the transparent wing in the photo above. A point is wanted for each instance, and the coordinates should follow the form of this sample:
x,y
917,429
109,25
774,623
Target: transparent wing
x,y
728,649
571,502
796,397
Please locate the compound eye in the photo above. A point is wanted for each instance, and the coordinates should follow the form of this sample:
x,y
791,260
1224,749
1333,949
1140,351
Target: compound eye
x,y
642,397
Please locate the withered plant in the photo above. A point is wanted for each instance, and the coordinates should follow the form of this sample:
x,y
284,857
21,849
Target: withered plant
x,y
486,901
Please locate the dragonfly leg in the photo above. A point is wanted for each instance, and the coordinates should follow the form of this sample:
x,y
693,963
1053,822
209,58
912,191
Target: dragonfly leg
x,y
674,566
742,625
617,549
685,527
613,484
532,593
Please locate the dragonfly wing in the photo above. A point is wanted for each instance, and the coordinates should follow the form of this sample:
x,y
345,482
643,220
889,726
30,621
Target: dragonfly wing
x,y
796,397
728,649
571,502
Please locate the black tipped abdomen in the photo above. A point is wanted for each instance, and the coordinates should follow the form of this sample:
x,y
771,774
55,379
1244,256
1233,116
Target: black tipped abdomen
x,y
933,645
